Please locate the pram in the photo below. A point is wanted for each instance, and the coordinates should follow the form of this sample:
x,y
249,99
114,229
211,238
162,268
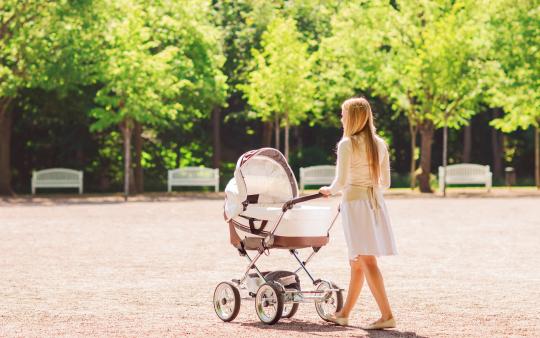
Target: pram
x,y
263,211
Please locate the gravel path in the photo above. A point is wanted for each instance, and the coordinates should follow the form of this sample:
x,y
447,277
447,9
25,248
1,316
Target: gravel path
x,y
467,267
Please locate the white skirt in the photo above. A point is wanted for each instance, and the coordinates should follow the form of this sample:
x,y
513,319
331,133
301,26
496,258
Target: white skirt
x,y
367,231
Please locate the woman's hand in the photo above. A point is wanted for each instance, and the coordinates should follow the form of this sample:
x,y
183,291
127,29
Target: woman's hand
x,y
325,191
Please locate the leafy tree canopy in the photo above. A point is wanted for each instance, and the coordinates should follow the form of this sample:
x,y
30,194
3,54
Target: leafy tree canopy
x,y
517,48
280,83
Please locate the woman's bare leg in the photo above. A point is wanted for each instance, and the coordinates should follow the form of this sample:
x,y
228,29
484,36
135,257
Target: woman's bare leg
x,y
355,286
376,285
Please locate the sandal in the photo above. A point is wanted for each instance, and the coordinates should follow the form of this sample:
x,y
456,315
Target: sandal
x,y
386,324
341,321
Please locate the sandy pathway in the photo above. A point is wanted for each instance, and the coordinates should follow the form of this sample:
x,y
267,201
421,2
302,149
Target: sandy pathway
x,y
467,267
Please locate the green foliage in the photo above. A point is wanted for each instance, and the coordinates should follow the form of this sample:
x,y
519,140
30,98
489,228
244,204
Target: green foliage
x,y
517,49
159,58
170,157
66,66
45,44
347,59
162,65
280,84
138,79
426,58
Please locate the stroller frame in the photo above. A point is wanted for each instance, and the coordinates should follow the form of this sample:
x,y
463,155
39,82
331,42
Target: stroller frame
x,y
324,292
318,295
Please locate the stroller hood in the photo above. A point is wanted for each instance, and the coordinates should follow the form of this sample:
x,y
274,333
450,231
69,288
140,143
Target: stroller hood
x,y
262,176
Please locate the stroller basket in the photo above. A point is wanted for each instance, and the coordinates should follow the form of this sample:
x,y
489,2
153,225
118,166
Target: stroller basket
x,y
257,200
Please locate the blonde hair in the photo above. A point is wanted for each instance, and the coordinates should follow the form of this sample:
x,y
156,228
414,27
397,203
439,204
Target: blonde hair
x,y
357,120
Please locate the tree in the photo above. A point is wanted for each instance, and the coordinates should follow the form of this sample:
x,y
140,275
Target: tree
x,y
243,22
191,27
426,58
517,50
280,87
161,60
138,84
42,45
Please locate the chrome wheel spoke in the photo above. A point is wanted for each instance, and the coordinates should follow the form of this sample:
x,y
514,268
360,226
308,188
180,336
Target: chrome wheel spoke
x,y
328,305
226,301
267,304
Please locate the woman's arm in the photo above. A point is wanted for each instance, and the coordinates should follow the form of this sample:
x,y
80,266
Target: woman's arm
x,y
342,167
385,169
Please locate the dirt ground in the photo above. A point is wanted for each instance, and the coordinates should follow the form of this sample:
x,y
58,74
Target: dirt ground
x,y
101,267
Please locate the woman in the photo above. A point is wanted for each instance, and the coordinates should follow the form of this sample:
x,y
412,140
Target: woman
x,y
362,170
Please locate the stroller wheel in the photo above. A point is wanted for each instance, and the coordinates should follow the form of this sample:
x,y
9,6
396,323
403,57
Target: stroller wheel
x,y
289,310
226,301
269,303
332,302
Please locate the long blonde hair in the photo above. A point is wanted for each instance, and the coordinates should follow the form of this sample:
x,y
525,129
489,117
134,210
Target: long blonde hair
x,y
357,120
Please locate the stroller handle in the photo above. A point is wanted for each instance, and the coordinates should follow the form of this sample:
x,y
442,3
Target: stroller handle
x,y
291,203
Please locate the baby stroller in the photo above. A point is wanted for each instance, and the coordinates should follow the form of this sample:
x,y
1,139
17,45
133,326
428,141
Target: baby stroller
x,y
264,212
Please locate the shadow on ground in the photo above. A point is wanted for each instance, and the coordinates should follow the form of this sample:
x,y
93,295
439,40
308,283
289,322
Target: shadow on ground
x,y
295,325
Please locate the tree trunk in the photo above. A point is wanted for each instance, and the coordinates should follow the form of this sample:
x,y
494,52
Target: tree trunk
x,y
537,154
126,126
287,132
497,150
132,185
467,143
139,177
5,151
267,134
277,129
413,131
445,152
298,142
426,129
216,136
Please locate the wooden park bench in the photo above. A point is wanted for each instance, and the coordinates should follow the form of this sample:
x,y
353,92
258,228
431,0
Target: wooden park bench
x,y
318,174
57,178
193,176
465,173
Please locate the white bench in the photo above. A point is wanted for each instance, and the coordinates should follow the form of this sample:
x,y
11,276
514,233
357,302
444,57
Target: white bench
x,y
193,176
57,178
465,173
318,174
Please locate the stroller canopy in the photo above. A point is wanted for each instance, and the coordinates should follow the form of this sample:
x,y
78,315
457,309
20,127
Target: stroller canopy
x,y
262,176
